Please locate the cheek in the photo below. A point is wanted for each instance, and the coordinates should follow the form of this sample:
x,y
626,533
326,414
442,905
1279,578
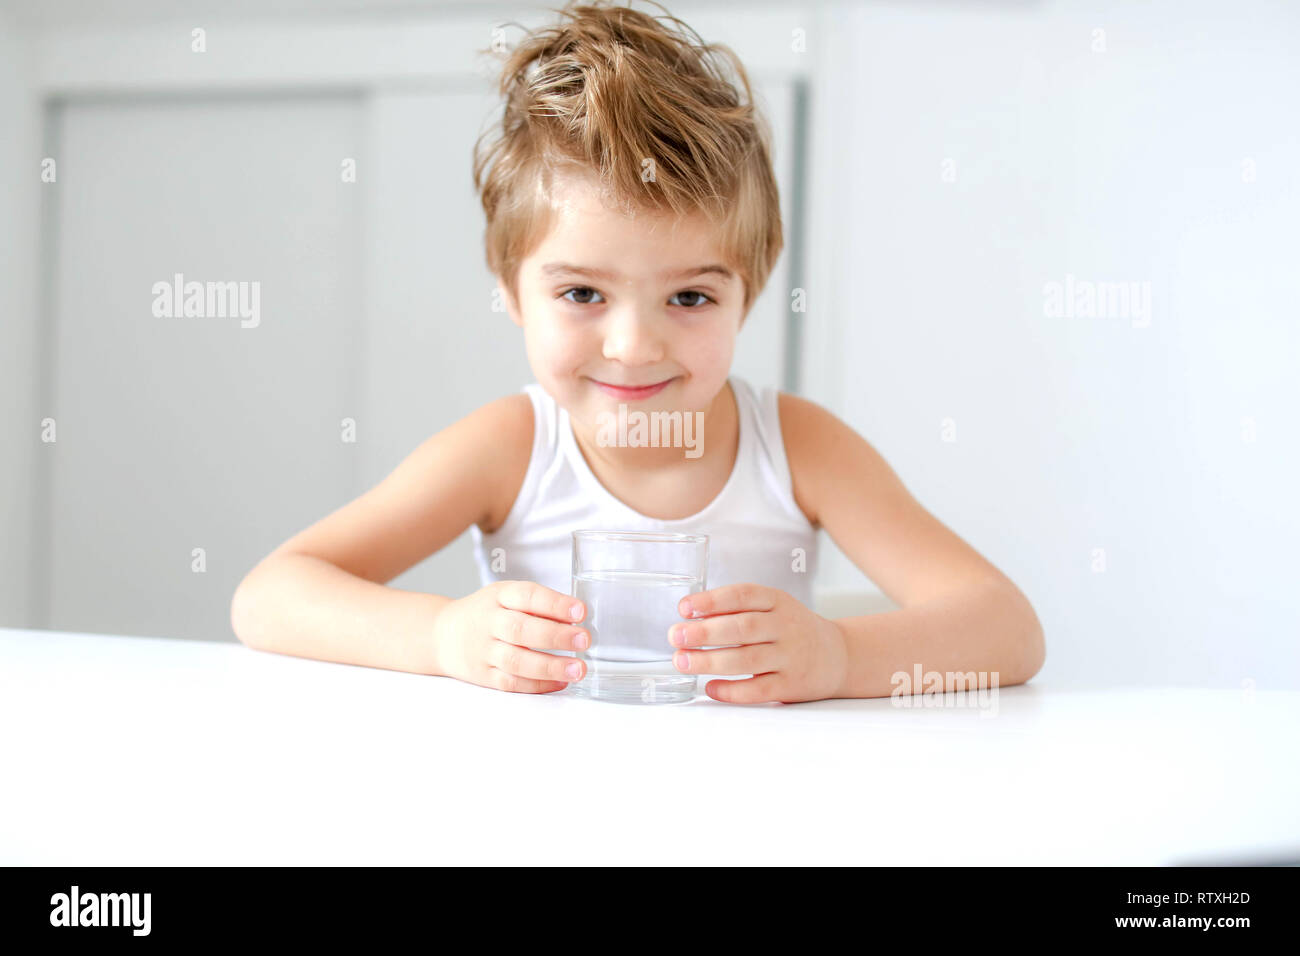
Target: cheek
x,y
556,349
709,351
547,337
569,346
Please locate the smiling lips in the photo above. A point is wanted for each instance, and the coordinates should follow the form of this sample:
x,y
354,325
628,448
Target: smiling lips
x,y
644,391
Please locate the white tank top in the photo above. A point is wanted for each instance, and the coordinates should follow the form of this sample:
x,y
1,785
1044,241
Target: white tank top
x,y
757,533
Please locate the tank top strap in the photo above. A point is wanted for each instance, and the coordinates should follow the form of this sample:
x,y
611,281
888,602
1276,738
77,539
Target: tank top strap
x,y
541,459
545,418
769,443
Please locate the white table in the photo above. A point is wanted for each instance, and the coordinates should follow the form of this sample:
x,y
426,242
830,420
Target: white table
x,y
146,751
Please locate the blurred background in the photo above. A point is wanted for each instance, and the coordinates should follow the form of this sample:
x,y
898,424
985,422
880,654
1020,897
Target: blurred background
x,y
1043,255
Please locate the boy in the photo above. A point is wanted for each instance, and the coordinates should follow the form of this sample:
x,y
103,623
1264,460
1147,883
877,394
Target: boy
x,y
632,219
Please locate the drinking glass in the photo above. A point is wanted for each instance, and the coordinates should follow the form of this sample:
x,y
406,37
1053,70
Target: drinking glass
x,y
630,583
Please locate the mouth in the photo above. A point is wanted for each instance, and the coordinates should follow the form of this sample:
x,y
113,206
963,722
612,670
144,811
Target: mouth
x,y
632,393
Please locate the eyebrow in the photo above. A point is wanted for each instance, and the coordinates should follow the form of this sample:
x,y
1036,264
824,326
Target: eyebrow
x,y
562,268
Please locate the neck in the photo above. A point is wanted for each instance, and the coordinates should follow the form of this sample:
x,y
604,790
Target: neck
x,y
705,434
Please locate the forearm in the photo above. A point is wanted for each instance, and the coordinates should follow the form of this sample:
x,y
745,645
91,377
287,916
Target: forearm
x,y
303,606
992,630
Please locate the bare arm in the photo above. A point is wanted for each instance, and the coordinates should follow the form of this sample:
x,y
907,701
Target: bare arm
x,y
989,632
957,612
302,605
322,593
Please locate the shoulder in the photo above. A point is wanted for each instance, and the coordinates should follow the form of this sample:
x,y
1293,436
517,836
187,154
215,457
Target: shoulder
x,y
509,417
506,426
813,437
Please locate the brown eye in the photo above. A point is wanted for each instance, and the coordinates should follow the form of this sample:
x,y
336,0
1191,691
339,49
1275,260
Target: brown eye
x,y
701,298
581,290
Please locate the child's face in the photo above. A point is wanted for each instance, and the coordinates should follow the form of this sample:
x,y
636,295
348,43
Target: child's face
x,y
639,325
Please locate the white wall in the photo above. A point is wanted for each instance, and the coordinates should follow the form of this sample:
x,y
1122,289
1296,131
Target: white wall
x,y
1163,446
179,433
189,446
1076,434
19,418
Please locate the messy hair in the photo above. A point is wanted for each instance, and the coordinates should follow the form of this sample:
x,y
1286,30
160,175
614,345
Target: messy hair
x,y
615,92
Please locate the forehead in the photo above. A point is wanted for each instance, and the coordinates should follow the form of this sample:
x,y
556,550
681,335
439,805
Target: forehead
x,y
584,222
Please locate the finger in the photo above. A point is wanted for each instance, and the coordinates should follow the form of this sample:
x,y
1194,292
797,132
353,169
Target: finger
x,y
527,630
522,685
729,599
755,690
523,662
743,627
750,659
532,598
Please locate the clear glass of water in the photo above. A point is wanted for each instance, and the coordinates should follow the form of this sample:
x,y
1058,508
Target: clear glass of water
x,y
630,583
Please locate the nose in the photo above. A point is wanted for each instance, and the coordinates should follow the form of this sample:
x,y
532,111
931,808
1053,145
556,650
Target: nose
x,y
633,338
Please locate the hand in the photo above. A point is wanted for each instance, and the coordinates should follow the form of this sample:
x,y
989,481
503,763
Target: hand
x,y
794,654
485,638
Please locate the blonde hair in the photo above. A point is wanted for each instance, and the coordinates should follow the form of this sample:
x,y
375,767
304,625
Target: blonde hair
x,y
606,90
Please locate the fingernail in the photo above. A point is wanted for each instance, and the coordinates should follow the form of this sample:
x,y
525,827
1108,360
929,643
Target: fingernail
x,y
573,670
675,636
687,608
683,662
575,612
580,640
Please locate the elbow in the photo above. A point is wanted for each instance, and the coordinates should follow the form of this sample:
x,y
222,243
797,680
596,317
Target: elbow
x,y
1021,648
243,615
1037,652
1031,647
